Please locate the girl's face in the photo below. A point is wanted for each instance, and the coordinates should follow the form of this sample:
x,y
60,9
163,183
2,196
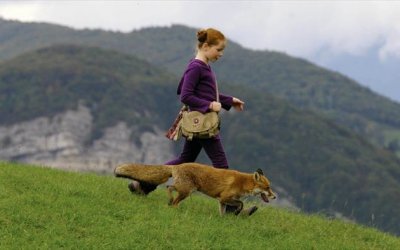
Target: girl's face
x,y
214,52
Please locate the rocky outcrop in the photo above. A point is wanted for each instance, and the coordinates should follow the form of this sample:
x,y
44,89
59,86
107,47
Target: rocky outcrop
x,y
61,142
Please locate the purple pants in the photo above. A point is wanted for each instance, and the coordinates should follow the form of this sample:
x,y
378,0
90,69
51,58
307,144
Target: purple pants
x,y
212,146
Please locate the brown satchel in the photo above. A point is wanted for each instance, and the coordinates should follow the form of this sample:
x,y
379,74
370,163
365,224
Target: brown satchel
x,y
194,124
198,125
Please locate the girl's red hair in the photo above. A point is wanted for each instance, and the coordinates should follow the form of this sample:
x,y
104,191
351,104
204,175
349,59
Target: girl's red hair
x,y
210,36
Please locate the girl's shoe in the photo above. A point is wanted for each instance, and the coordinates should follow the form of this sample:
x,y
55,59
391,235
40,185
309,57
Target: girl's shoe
x,y
141,188
134,187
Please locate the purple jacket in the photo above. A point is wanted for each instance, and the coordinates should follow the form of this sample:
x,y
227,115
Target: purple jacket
x,y
197,88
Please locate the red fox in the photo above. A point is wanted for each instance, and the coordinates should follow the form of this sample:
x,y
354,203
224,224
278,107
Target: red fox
x,y
226,185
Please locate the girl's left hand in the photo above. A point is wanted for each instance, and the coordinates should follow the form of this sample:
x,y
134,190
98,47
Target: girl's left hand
x,y
238,104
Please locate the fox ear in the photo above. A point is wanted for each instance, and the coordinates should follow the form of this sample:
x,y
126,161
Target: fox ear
x,y
257,176
260,171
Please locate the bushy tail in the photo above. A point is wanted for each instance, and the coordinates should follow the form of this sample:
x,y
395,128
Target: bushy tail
x,y
153,174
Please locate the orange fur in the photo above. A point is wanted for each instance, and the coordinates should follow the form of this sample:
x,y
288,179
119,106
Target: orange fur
x,y
226,185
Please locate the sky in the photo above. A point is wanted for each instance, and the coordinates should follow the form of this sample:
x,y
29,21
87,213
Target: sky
x,y
298,28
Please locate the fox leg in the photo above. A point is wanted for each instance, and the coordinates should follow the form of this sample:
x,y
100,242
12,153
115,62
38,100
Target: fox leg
x,y
249,211
181,196
226,209
222,208
232,205
170,195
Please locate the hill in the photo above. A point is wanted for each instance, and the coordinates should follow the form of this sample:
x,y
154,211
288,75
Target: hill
x,y
84,108
302,83
55,79
46,208
321,165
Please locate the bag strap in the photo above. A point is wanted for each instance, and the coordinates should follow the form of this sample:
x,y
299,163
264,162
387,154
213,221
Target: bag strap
x,y
216,88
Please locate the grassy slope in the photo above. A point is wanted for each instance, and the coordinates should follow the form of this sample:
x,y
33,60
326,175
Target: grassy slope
x,y
44,208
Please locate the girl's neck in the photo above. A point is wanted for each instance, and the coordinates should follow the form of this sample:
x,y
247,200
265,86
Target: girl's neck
x,y
200,56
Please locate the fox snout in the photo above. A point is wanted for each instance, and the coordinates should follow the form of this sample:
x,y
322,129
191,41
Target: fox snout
x,y
266,196
271,195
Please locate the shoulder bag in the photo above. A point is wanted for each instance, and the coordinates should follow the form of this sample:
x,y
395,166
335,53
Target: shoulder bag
x,y
194,124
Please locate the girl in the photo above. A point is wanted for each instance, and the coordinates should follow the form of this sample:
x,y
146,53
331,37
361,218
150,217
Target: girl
x,y
198,89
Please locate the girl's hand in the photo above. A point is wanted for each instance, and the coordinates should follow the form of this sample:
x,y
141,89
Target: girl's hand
x,y
238,104
215,106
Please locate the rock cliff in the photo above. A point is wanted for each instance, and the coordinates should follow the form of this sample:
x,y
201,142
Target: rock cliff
x,y
61,142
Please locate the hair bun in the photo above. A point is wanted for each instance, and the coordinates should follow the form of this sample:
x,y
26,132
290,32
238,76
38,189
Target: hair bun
x,y
202,35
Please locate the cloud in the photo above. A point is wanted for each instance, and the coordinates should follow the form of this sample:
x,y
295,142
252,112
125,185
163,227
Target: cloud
x,y
19,10
307,28
299,28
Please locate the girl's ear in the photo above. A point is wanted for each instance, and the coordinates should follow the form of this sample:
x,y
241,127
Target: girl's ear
x,y
205,46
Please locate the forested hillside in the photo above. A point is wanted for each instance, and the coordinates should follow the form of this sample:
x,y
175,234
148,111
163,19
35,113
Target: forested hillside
x,y
113,85
303,84
323,166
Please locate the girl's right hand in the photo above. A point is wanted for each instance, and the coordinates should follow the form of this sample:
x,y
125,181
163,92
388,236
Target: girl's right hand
x,y
215,106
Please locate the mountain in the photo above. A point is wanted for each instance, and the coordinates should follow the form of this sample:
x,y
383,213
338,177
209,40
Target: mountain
x,y
68,104
300,82
59,76
379,74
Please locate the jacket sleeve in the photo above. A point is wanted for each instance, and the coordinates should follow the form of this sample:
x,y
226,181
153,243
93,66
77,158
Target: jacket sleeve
x,y
226,101
188,97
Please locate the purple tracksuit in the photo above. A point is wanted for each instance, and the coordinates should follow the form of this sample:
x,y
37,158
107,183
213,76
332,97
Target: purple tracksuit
x,y
197,89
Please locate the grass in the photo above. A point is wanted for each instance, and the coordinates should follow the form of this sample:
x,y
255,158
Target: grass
x,y
43,208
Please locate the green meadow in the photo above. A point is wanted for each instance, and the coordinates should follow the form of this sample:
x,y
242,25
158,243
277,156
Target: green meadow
x,y
43,208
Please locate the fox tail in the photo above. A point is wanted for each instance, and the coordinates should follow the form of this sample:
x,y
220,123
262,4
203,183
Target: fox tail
x,y
152,174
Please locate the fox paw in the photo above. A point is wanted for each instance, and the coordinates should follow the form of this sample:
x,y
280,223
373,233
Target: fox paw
x,y
250,211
